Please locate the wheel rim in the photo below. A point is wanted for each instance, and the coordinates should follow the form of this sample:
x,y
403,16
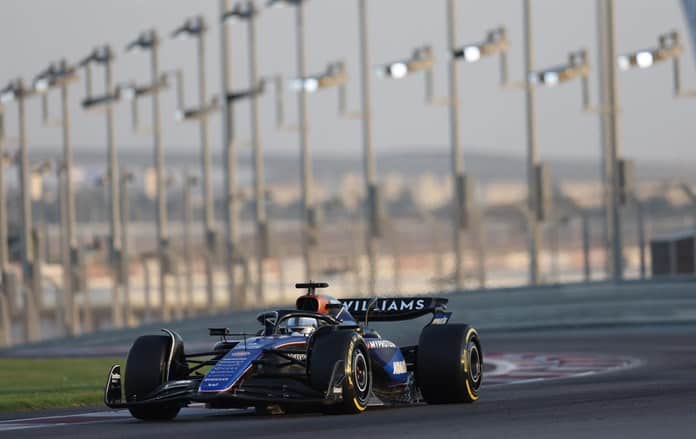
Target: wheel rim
x,y
360,372
475,366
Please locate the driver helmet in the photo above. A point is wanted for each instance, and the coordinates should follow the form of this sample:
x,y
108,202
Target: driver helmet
x,y
302,325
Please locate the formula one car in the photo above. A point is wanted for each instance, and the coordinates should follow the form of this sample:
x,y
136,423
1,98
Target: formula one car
x,y
322,355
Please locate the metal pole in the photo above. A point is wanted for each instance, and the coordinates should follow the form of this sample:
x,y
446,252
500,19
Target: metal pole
x,y
115,203
124,265
148,288
162,232
5,316
640,223
188,242
309,234
369,162
456,147
610,136
555,233
259,180
208,196
230,156
32,330
481,248
587,263
71,315
532,154
71,264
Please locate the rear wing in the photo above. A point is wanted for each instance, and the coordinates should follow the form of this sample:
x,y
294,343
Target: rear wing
x,y
392,309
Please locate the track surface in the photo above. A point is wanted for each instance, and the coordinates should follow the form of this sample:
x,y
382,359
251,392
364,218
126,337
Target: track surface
x,y
655,398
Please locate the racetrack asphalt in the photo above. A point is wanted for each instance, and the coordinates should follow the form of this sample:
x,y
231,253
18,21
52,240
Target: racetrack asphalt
x,y
654,398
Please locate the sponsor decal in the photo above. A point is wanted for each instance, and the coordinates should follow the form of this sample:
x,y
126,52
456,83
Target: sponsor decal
x,y
386,305
298,357
380,344
399,367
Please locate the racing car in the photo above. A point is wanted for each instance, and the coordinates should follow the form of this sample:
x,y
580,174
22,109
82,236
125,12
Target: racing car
x,y
322,355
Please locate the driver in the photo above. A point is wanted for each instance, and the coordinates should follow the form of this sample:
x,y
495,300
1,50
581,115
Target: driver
x,y
301,325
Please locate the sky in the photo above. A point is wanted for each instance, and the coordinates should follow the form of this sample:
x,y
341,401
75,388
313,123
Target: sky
x,y
653,125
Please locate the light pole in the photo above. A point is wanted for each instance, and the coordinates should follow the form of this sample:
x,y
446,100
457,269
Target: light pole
x,y
420,61
249,14
230,157
149,41
188,183
104,56
669,48
196,28
578,68
495,43
310,212
5,315
372,211
60,75
125,179
532,152
16,92
609,108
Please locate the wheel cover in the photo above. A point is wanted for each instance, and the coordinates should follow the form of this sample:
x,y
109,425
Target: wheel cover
x,y
361,374
475,364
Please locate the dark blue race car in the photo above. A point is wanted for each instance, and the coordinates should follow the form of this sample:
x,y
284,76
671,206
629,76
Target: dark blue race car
x,y
322,355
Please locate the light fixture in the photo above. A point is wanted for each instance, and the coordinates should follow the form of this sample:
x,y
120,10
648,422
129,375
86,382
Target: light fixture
x,y
333,76
145,41
669,47
496,42
192,27
577,67
421,60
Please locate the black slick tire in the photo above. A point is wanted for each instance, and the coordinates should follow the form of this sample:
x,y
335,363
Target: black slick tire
x,y
330,347
146,369
449,365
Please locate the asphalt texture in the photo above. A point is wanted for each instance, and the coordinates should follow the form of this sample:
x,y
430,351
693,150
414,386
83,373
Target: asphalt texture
x,y
656,397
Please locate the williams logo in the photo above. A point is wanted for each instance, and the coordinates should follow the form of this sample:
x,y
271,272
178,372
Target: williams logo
x,y
386,305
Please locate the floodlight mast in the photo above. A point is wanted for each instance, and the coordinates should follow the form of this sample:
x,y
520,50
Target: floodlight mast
x,y
104,57
532,151
248,13
5,314
196,27
372,211
60,75
496,43
149,41
310,212
233,251
189,182
610,137
17,92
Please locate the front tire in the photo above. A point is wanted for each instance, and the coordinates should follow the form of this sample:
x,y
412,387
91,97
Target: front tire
x,y
348,346
146,369
449,366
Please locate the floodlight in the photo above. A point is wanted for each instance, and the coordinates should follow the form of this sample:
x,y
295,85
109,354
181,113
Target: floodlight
x,y
669,47
496,42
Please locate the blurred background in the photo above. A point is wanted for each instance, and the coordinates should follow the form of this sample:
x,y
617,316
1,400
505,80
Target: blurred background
x,y
211,174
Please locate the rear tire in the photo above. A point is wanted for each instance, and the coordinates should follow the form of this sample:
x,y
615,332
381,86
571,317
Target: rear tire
x,y
449,366
146,369
330,347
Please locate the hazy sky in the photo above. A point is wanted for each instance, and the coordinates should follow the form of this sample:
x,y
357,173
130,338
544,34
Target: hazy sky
x,y
653,124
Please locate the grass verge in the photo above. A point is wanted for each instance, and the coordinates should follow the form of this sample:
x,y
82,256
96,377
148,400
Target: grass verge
x,y
44,383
